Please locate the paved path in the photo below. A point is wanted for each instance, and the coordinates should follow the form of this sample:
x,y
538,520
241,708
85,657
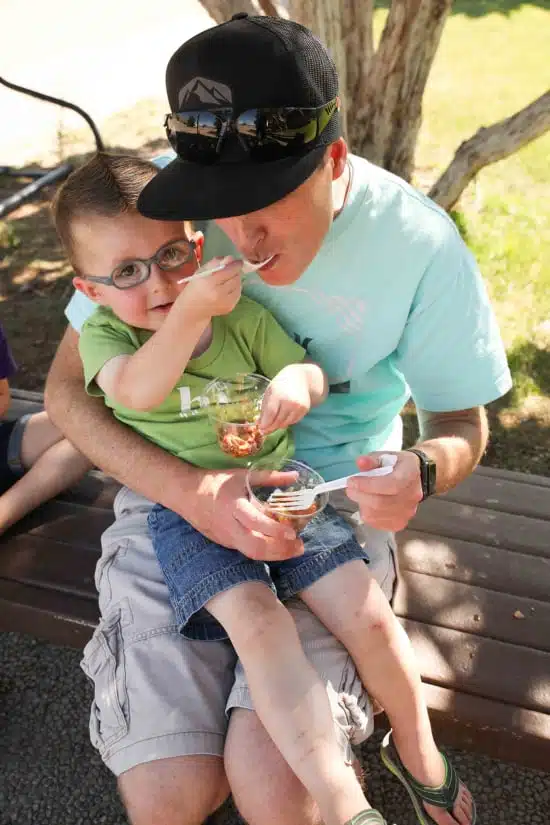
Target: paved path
x,y
104,56
49,774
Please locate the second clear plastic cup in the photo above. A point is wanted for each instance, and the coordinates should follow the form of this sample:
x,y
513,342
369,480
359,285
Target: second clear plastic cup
x,y
234,407
304,478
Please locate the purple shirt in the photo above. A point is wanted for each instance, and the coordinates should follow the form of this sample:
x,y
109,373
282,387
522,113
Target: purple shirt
x,y
7,364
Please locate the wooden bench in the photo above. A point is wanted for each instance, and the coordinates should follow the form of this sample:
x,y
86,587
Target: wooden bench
x,y
474,596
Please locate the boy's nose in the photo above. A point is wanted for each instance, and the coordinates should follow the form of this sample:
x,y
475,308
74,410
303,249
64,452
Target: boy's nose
x,y
157,277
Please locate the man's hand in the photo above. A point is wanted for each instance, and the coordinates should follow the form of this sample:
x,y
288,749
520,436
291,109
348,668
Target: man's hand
x,y
286,400
388,502
222,511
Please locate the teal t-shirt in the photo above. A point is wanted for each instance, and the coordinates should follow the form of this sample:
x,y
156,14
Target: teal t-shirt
x,y
392,306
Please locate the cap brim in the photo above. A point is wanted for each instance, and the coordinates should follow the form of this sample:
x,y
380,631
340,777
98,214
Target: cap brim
x,y
192,191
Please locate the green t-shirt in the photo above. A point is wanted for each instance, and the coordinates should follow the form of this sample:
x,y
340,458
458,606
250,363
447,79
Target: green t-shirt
x,y
248,339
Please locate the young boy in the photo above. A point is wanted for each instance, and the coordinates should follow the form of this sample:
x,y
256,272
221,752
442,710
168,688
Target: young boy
x,y
36,462
152,347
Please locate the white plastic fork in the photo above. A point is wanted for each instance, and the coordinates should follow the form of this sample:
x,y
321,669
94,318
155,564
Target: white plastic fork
x,y
302,499
209,269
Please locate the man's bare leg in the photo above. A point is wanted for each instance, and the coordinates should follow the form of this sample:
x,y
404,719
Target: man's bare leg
x,y
265,789
182,790
351,605
289,696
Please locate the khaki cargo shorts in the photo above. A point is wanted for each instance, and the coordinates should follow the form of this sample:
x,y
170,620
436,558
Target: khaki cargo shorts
x,y
157,694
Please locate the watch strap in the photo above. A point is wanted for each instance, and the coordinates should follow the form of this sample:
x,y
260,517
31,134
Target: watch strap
x,y
427,472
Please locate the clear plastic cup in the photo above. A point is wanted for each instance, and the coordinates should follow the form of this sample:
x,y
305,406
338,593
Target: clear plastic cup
x,y
303,478
234,407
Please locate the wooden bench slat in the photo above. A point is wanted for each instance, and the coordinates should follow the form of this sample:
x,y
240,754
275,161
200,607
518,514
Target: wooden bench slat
x,y
66,522
462,521
499,730
503,495
484,667
95,490
513,475
45,563
59,618
493,568
457,606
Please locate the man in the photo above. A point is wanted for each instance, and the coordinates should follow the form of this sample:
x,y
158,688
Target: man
x,y
381,291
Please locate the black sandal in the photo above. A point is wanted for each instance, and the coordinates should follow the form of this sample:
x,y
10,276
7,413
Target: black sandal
x,y
442,797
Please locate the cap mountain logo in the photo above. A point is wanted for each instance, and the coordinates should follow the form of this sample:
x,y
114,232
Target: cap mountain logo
x,y
200,90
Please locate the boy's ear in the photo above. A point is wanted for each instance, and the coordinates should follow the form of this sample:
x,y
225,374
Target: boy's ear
x,y
88,288
198,239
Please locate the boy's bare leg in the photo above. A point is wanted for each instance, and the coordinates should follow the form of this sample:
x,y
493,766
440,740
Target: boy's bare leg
x,y
289,697
53,465
38,436
351,605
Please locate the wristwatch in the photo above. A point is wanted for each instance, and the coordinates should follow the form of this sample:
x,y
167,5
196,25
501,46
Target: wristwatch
x,y
427,472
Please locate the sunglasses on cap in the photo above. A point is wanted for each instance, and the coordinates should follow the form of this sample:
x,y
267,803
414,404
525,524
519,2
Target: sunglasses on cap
x,y
267,134
134,272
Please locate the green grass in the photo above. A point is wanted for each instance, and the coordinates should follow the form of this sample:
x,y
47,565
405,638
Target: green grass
x,y
492,61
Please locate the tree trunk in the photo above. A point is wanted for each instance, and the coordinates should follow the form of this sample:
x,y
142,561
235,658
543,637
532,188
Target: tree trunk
x,y
382,91
222,10
390,105
489,145
345,26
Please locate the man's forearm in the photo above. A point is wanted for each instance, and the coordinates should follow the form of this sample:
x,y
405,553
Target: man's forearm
x,y
114,448
455,441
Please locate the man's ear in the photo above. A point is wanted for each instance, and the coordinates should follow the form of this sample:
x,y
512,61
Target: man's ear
x,y
338,156
198,239
88,288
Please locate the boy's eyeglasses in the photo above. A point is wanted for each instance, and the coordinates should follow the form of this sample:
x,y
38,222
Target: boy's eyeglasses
x,y
267,134
135,272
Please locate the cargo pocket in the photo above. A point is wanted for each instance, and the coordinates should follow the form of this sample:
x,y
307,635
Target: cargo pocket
x,y
103,663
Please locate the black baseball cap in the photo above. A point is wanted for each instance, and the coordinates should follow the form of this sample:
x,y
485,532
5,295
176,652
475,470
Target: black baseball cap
x,y
247,62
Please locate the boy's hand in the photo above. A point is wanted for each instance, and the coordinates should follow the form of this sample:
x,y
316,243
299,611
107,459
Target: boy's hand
x,y
286,400
216,294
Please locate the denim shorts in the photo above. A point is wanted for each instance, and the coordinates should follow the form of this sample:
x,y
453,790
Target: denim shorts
x,y
11,468
197,569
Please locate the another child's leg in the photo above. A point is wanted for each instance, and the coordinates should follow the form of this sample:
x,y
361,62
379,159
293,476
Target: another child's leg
x,y
350,603
51,463
289,697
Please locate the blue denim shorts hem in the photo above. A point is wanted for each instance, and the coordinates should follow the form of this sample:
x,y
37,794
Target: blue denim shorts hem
x,y
194,621
314,568
197,569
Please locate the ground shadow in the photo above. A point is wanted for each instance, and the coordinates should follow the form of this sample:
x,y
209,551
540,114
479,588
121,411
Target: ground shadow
x,y
35,279
519,431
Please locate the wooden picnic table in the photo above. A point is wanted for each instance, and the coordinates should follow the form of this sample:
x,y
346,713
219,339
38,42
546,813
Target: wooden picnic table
x,y
473,595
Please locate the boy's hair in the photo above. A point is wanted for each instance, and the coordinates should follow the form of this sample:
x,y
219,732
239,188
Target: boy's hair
x,y
107,185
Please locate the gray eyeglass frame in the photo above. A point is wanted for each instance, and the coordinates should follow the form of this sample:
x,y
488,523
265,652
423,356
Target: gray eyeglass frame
x,y
148,262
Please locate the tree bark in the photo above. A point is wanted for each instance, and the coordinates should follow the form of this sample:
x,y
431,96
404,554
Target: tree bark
x,y
273,9
222,10
345,26
489,145
390,104
382,91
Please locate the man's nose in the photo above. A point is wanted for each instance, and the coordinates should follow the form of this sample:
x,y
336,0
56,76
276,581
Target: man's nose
x,y
250,235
